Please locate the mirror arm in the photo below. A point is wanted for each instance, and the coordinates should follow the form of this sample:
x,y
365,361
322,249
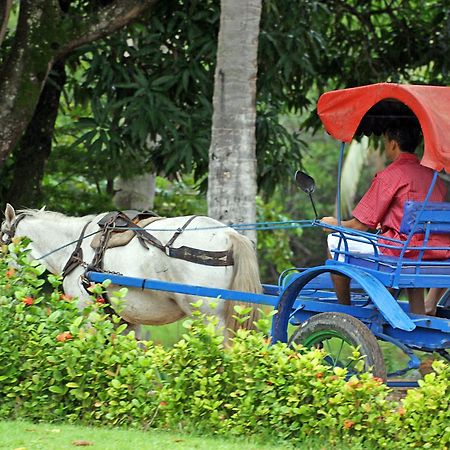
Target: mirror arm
x,y
313,205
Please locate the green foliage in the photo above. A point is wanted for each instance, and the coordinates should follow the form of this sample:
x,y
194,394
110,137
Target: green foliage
x,y
274,246
425,412
149,87
178,197
59,364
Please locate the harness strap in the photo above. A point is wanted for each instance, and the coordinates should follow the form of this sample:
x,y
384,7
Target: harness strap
x,y
179,231
97,261
207,258
204,257
76,258
108,309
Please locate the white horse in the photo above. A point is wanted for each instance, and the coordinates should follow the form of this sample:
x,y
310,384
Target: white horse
x,y
51,230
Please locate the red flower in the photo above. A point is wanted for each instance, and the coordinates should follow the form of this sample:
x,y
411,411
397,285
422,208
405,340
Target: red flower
x,y
162,403
100,300
66,297
10,272
319,375
28,301
65,336
348,424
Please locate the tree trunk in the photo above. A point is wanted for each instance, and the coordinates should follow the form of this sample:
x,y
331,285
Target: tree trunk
x,y
232,161
136,193
33,150
232,155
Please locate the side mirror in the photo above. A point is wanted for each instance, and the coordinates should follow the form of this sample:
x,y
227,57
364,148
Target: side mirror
x,y
305,182
307,185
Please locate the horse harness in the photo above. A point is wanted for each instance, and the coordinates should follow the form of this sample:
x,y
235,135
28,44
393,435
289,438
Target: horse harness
x,y
12,231
119,221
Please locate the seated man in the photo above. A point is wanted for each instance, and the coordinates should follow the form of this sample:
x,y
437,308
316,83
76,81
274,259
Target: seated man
x,y
382,207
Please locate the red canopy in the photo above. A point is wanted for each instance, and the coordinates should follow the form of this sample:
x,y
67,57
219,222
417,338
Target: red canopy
x,y
342,111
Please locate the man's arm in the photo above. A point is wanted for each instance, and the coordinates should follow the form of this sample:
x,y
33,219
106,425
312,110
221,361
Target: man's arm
x,y
353,223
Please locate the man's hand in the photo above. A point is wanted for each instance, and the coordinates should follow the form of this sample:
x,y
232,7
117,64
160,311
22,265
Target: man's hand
x,y
329,221
352,223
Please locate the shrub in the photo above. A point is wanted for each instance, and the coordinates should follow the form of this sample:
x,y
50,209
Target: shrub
x,y
423,416
58,363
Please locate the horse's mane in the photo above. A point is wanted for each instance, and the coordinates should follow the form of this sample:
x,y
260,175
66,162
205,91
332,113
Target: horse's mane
x,y
42,213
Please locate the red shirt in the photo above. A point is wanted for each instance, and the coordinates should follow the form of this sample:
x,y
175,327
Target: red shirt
x,y
404,179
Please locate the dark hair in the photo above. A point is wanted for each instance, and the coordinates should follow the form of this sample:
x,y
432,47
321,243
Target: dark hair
x,y
407,135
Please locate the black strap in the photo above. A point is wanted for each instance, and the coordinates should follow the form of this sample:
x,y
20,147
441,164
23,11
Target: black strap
x,y
179,231
76,258
204,257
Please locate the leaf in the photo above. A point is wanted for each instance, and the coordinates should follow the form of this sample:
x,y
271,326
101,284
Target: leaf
x,y
77,321
116,384
56,389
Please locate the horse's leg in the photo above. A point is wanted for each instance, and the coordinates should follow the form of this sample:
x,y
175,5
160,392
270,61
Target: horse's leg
x,y
73,287
136,328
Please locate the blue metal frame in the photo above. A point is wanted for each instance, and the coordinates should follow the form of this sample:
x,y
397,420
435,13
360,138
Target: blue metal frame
x,y
199,291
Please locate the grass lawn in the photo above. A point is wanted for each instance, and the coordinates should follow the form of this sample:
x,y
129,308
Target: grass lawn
x,y
28,436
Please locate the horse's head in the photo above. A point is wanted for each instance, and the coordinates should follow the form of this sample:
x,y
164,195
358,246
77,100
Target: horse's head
x,y
9,225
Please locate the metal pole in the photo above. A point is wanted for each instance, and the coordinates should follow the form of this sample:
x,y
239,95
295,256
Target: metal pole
x,y
338,199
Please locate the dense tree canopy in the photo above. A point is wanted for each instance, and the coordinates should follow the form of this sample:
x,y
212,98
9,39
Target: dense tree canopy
x,y
153,82
156,79
45,31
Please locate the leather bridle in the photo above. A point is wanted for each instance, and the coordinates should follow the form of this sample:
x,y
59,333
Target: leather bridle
x,y
11,232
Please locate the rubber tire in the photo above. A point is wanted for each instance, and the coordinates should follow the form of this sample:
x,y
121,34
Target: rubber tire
x,y
352,330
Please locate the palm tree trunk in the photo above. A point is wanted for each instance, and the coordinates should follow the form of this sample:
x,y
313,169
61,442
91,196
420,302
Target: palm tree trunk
x,y
232,161
232,155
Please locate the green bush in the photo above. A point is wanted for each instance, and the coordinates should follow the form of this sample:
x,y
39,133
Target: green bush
x,y
60,364
423,416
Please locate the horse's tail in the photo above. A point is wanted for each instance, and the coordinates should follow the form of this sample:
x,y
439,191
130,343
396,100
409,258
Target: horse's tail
x,y
245,278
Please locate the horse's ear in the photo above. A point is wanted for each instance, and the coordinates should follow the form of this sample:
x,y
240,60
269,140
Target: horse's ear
x,y
10,214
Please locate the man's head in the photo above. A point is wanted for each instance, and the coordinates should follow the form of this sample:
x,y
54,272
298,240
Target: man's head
x,y
404,137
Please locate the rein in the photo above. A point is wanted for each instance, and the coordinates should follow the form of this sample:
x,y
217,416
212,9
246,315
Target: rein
x,y
219,258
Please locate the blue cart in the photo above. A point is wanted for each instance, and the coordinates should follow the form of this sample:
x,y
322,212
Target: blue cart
x,y
307,309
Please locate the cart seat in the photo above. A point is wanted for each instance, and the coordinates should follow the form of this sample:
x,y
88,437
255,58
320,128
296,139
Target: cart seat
x,y
408,266
434,217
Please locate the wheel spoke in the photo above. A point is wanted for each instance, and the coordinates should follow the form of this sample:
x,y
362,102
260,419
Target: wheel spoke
x,y
327,344
338,334
349,363
340,349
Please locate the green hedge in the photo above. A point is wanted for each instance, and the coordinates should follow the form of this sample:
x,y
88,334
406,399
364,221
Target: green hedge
x,y
57,364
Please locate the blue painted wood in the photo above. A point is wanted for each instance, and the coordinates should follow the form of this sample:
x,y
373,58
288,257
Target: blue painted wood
x,y
379,295
200,291
431,333
434,216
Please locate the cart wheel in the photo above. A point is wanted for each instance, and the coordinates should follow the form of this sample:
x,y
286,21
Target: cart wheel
x,y
339,334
